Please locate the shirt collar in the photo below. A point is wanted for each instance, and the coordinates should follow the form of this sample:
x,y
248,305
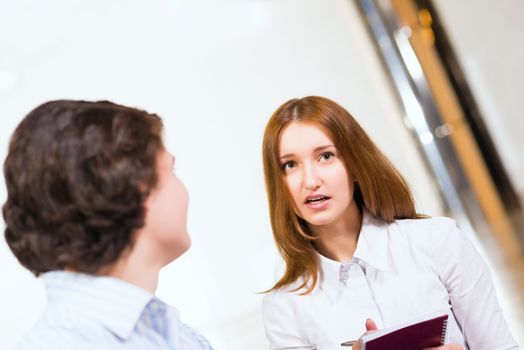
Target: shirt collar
x,y
372,245
372,250
114,303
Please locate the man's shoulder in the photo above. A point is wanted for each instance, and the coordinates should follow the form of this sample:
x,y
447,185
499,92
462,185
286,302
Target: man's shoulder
x,y
48,337
58,328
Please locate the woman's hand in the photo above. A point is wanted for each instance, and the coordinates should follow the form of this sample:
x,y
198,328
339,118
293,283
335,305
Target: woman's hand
x,y
447,347
370,327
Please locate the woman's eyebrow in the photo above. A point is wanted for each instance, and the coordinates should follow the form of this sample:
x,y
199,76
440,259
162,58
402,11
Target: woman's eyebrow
x,y
317,149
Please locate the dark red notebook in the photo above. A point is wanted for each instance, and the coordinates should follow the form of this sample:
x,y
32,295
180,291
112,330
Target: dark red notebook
x,y
426,331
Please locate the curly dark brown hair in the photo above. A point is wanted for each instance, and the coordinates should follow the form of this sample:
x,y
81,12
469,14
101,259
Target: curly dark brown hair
x,y
77,175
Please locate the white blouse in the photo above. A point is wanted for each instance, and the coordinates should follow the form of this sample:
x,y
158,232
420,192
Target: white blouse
x,y
399,271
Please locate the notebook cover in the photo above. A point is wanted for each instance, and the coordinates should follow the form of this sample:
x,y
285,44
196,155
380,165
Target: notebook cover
x,y
427,333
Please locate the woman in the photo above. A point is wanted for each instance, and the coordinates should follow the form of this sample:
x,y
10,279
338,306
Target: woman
x,y
357,254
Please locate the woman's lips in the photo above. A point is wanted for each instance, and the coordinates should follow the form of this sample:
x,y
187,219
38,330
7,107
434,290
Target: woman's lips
x,y
317,202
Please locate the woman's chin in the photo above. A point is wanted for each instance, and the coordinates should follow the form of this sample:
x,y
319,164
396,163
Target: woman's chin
x,y
319,221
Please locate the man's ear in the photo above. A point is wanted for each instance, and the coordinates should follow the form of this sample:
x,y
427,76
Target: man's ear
x,y
146,202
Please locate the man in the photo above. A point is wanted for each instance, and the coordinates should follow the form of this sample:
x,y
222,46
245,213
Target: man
x,y
94,207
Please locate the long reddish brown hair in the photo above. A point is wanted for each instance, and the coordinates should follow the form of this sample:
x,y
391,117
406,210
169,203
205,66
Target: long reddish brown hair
x,y
379,187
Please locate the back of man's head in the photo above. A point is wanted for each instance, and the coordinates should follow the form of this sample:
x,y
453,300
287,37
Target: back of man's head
x,y
77,174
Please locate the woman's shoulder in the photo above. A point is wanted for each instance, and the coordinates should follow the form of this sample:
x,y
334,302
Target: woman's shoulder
x,y
433,232
287,295
287,292
275,296
441,222
437,225
277,301
433,240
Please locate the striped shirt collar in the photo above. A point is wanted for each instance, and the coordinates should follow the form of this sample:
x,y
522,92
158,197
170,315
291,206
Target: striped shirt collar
x,y
114,303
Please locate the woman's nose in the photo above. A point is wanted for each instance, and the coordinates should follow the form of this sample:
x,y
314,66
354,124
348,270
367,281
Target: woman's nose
x,y
311,179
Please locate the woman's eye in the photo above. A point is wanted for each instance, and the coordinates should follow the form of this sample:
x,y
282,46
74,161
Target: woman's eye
x,y
288,165
326,156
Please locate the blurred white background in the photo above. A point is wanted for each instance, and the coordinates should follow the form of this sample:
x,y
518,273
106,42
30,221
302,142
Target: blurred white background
x,y
215,71
488,38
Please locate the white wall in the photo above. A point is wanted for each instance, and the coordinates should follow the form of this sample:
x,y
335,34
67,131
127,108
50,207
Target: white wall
x,y
490,49
215,70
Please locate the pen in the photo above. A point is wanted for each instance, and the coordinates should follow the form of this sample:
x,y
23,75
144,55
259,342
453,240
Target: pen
x,y
349,343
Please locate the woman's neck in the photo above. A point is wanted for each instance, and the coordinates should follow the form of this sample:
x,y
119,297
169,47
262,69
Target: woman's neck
x,y
338,240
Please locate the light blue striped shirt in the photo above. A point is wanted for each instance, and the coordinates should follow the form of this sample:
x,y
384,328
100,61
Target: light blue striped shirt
x,y
88,312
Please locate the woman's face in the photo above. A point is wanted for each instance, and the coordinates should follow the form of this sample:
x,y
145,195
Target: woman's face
x,y
320,185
